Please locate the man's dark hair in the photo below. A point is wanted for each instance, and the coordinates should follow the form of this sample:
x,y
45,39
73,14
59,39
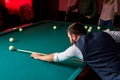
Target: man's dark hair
x,y
76,28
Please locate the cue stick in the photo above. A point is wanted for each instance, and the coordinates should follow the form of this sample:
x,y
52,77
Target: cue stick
x,y
78,60
26,51
68,4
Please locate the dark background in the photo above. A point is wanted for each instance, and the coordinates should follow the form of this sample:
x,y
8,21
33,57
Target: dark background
x,y
10,14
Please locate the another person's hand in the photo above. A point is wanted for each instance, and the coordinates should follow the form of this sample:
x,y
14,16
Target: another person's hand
x,y
88,17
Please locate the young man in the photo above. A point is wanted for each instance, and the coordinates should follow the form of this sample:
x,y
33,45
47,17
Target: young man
x,y
99,50
87,10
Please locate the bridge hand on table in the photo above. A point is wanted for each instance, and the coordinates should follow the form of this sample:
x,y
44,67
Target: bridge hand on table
x,y
36,55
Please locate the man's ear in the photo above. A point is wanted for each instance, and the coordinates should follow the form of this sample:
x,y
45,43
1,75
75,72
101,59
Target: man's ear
x,y
74,37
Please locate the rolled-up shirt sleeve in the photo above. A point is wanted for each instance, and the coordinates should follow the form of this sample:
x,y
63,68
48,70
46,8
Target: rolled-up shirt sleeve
x,y
72,51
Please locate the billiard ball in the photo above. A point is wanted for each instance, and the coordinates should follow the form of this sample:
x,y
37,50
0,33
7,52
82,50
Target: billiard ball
x,y
98,27
54,27
86,27
20,29
11,48
90,27
89,30
14,28
11,39
107,29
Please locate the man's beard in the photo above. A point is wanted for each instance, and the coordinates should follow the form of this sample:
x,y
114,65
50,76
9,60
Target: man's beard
x,y
73,42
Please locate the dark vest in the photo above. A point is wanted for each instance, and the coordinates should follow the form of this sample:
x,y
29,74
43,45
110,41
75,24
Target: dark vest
x,y
100,52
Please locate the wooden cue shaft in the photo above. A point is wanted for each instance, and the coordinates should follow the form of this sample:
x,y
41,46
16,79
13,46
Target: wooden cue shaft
x,y
77,60
26,51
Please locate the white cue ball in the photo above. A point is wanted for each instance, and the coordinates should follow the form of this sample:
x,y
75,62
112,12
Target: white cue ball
x,y
11,48
98,27
54,27
20,29
86,27
11,39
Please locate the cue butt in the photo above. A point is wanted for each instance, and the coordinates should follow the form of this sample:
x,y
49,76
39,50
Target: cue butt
x,y
68,5
77,60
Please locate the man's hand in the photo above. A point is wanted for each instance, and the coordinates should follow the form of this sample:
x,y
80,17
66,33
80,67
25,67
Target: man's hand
x,y
36,55
44,57
88,17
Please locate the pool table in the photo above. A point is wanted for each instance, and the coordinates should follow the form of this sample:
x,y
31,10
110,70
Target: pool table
x,y
38,37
